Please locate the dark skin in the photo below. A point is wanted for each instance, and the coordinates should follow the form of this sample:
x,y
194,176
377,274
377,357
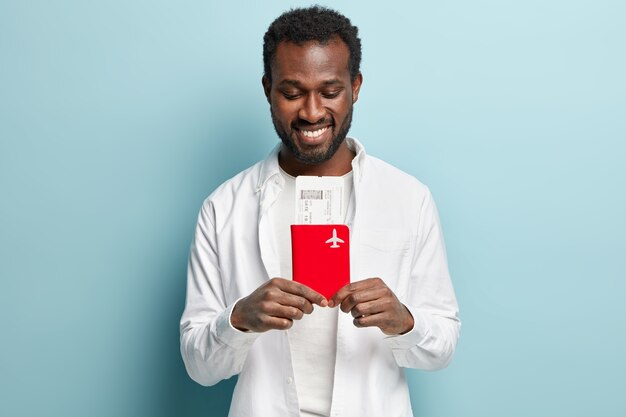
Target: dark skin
x,y
311,89
311,96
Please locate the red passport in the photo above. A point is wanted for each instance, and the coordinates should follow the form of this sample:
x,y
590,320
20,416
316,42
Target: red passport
x,y
320,256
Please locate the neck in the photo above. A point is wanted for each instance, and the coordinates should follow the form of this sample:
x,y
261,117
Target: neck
x,y
339,164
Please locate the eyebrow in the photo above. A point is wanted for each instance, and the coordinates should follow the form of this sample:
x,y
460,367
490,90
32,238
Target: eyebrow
x,y
296,83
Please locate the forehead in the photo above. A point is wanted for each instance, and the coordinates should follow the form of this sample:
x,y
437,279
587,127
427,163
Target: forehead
x,y
311,61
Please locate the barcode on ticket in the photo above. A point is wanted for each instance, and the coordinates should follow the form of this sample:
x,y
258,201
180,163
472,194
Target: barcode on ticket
x,y
311,194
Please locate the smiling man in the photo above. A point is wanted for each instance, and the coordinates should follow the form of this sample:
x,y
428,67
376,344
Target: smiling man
x,y
311,93
296,352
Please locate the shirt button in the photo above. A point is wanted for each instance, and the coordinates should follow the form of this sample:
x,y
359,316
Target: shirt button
x,y
289,380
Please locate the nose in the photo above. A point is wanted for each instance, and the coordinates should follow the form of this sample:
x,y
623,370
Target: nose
x,y
312,110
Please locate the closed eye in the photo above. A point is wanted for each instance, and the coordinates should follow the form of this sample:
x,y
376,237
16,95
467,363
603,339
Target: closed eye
x,y
291,95
331,94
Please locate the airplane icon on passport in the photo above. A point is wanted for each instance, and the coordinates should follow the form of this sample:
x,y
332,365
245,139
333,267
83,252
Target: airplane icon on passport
x,y
334,240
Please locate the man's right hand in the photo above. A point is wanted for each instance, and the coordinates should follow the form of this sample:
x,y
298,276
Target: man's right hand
x,y
275,305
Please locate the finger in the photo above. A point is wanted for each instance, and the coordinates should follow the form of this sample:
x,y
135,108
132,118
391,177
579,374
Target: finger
x,y
301,290
348,289
390,324
371,307
285,312
340,295
363,296
278,323
275,308
295,301
383,321
373,320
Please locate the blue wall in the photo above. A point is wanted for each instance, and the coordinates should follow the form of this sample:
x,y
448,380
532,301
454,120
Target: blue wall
x,y
118,118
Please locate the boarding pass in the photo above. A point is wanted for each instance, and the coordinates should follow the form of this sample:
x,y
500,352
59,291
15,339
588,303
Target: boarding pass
x,y
319,200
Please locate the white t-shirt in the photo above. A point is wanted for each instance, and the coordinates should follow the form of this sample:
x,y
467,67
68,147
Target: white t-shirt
x,y
313,340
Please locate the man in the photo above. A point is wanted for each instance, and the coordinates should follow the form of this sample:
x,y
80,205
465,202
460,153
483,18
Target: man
x,y
296,352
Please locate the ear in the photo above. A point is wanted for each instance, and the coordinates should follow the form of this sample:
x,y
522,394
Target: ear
x,y
356,87
267,87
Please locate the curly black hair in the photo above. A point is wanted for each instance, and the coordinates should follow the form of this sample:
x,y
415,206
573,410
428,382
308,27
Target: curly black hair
x,y
315,23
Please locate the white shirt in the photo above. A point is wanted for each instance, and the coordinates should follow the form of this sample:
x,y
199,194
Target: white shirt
x,y
312,340
395,235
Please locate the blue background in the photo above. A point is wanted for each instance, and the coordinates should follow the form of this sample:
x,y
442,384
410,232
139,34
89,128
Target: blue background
x,y
118,118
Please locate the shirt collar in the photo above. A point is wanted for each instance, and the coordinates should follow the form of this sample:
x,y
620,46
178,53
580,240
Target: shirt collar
x,y
270,167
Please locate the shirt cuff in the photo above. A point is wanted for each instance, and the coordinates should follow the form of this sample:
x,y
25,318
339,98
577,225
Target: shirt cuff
x,y
413,337
231,336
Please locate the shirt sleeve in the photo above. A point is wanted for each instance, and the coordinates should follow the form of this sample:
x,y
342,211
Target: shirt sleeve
x,y
430,299
212,349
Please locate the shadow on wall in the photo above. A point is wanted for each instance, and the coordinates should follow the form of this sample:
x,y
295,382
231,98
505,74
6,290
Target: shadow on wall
x,y
225,147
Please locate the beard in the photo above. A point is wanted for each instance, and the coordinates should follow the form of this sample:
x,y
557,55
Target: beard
x,y
318,154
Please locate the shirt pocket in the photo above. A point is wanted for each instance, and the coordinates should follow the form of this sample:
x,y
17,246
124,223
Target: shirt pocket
x,y
383,253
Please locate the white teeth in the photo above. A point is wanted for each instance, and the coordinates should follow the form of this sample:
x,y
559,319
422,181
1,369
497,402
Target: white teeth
x,y
314,133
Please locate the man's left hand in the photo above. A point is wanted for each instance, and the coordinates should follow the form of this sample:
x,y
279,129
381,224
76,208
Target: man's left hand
x,y
372,303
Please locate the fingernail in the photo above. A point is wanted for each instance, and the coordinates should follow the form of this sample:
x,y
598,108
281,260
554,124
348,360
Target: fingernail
x,y
331,303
